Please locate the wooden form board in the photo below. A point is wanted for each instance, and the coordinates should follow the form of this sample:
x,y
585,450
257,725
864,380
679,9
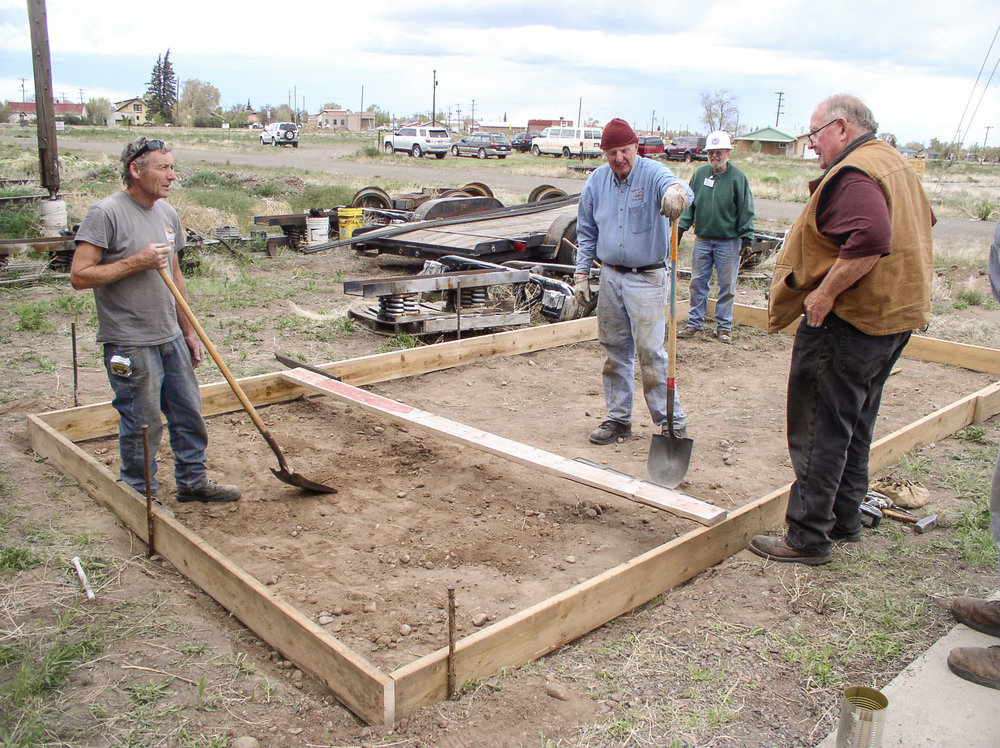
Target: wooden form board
x,y
378,697
619,484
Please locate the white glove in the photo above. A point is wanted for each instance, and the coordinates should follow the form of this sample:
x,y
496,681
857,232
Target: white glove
x,y
674,201
581,288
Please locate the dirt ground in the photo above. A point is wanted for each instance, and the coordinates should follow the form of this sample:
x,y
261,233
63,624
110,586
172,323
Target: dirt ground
x,y
699,666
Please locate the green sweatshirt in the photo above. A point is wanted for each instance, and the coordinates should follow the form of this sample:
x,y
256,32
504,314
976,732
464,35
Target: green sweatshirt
x,y
722,211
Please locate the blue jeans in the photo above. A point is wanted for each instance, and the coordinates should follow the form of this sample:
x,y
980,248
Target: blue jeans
x,y
722,255
834,393
161,379
630,319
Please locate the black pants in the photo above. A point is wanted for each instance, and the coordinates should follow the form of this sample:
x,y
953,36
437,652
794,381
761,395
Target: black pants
x,y
834,392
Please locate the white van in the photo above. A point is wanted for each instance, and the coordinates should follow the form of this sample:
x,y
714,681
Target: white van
x,y
584,142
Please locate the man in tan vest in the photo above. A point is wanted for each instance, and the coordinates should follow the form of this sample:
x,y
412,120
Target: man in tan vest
x,y
858,264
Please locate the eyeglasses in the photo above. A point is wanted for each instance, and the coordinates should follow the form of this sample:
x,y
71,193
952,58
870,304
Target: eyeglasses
x,y
146,147
815,132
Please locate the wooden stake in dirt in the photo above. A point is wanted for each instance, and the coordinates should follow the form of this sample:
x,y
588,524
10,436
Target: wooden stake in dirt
x,y
76,381
82,577
451,641
149,490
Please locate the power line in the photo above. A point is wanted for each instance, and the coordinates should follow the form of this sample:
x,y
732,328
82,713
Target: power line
x,y
958,130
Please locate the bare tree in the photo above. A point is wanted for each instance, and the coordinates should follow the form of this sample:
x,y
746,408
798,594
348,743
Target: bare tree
x,y
720,111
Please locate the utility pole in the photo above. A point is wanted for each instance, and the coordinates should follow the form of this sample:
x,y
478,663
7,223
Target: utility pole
x,y
45,116
652,119
362,99
22,89
81,95
473,115
434,99
781,95
460,123
579,114
988,128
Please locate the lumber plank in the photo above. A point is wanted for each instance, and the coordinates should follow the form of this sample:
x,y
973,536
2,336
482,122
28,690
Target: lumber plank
x,y
550,624
975,357
667,499
362,687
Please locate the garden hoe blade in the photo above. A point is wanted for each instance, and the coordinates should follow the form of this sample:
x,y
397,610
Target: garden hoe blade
x,y
669,454
284,473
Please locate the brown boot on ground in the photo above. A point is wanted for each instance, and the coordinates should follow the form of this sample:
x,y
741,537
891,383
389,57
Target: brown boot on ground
x,y
775,549
981,615
977,664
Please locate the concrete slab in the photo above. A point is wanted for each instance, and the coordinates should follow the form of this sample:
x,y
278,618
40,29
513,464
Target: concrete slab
x,y
931,707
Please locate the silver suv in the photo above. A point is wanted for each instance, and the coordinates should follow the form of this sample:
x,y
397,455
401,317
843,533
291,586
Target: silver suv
x,y
280,133
418,140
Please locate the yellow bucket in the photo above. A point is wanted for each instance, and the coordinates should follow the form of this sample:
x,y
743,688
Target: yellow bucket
x,y
348,220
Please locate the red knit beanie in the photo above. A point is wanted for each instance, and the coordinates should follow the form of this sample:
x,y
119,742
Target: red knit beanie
x,y
617,133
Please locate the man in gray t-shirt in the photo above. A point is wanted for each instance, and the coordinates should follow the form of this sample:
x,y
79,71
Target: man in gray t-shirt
x,y
150,350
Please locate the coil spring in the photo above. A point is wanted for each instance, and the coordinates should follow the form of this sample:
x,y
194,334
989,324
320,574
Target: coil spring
x,y
474,296
397,305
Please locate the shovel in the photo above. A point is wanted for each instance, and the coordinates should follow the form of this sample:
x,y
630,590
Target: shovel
x,y
669,454
285,473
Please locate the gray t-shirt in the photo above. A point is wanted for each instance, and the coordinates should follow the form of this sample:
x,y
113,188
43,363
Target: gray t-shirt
x,y
138,309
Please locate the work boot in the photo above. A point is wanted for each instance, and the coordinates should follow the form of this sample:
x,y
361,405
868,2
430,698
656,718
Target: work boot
x,y
981,615
977,664
688,332
775,549
837,536
724,336
610,431
680,432
210,492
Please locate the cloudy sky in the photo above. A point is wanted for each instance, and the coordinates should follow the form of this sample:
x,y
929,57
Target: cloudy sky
x,y
915,63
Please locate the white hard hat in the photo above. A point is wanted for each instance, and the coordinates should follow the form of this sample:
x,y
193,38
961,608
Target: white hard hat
x,y
718,140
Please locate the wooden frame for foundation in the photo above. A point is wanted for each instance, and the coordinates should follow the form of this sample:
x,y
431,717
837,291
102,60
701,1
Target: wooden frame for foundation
x,y
379,697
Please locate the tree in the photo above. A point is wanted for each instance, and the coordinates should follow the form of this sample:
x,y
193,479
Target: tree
x,y
914,145
382,117
331,105
161,92
198,104
888,137
719,111
236,116
100,111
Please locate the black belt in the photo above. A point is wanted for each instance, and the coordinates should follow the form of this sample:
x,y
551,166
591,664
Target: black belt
x,y
643,269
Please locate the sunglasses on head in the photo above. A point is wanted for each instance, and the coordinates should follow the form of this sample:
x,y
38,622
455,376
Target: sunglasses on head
x,y
146,147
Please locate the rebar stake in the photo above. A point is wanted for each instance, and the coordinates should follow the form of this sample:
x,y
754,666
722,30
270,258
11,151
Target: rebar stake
x,y
149,491
451,641
76,381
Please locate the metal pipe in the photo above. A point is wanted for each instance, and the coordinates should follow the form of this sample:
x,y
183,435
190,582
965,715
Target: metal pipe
x,y
76,381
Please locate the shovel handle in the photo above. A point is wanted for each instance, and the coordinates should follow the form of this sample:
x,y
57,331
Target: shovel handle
x,y
672,331
237,390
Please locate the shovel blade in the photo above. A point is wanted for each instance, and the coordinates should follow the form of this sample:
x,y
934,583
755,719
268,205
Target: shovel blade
x,y
669,458
294,479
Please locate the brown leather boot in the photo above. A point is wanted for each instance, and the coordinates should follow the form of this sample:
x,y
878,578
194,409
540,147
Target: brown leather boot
x,y
981,615
977,664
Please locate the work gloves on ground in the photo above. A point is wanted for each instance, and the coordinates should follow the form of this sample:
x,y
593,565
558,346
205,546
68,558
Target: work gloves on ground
x,y
674,201
581,289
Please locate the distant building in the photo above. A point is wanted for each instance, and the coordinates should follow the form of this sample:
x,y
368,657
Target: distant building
x,y
770,141
535,126
505,128
131,112
25,112
342,119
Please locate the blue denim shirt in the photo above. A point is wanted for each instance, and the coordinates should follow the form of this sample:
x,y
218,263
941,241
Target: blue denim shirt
x,y
619,222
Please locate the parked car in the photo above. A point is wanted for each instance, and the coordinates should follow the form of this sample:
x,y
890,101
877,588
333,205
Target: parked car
x,y
651,145
418,140
521,142
688,148
280,133
568,141
482,145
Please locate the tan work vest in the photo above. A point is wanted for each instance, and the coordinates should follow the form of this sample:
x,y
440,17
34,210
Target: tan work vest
x,y
895,295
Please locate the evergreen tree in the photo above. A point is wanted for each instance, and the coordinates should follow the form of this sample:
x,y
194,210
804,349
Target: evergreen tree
x,y
161,93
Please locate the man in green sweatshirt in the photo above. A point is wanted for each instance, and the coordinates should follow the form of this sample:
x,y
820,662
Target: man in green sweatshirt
x,y
722,217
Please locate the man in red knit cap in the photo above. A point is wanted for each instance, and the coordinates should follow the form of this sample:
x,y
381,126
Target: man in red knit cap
x,y
624,222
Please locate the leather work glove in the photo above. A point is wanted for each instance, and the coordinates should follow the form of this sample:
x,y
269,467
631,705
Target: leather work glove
x,y
674,202
581,289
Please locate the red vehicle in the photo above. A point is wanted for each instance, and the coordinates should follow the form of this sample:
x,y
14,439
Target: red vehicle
x,y
651,145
